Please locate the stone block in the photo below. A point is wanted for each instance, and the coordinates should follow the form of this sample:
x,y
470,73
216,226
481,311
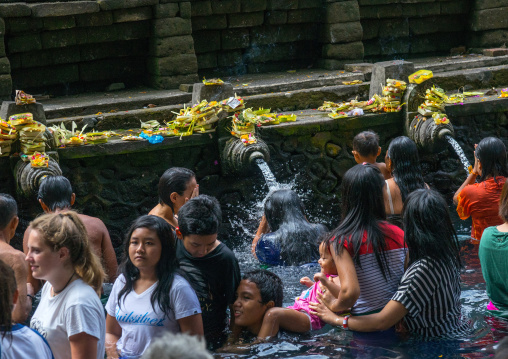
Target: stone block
x,y
10,108
201,8
102,18
51,57
135,14
211,93
2,46
229,58
61,38
15,60
345,11
390,46
209,22
350,51
14,25
342,32
303,16
307,4
24,43
185,10
165,10
171,27
225,6
370,28
207,60
173,65
490,38
435,24
207,41
421,9
235,39
64,8
364,67
267,35
5,66
490,19
276,17
5,86
393,28
381,11
249,19
372,48
132,31
172,82
168,46
489,4
381,71
495,52
46,76
15,10
122,4
455,7
2,27
99,34
282,4
59,23
252,5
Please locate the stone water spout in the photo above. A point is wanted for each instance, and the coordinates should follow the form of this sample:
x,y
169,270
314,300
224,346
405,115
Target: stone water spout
x,y
427,135
237,158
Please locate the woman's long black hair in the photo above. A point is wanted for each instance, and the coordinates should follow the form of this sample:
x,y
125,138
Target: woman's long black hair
x,y
491,152
428,229
297,238
362,211
406,170
166,268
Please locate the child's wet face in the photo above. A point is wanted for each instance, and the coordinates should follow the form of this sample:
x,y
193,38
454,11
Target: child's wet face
x,y
326,260
248,307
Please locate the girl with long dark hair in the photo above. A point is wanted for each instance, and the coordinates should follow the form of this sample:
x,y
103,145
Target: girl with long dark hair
x,y
480,200
285,236
150,296
403,163
369,253
428,297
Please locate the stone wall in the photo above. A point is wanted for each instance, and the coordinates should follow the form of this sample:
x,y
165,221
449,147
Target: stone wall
x,y
489,24
233,36
69,47
396,28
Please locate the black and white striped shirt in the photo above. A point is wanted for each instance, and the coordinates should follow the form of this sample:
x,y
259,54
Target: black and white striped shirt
x,y
430,291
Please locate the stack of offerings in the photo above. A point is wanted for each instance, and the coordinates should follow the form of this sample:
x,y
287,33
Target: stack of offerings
x,y
201,116
31,133
392,95
7,135
435,99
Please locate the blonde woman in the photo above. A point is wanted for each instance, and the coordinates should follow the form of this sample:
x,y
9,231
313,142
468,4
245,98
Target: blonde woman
x,y
70,315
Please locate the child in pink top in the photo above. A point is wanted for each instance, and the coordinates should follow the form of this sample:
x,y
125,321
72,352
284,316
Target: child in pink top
x,y
297,318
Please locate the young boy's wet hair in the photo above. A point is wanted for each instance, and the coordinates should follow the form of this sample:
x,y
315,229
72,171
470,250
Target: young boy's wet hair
x,y
269,284
55,192
366,143
200,215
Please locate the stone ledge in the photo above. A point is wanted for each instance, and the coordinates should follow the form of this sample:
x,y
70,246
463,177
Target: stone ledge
x,y
118,147
64,9
123,4
15,10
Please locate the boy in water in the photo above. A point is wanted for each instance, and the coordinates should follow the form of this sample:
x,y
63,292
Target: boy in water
x,y
366,149
210,265
259,291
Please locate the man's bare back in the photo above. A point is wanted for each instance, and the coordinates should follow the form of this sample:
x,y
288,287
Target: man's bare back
x,y
100,243
16,260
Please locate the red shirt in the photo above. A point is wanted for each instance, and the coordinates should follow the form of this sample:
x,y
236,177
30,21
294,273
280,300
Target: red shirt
x,y
481,202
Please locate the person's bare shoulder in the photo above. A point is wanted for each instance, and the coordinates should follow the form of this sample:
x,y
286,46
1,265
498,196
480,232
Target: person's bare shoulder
x,y
95,228
384,171
14,258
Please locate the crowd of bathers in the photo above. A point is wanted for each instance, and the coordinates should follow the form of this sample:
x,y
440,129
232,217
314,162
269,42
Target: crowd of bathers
x,y
391,266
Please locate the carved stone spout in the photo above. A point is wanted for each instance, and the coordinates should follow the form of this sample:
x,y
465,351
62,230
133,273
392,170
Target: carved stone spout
x,y
240,159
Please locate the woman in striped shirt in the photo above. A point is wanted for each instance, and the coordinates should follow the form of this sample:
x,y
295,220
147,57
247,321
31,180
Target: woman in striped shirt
x,y
428,297
369,252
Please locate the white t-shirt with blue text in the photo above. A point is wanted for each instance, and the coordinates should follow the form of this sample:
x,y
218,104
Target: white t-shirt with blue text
x,y
140,322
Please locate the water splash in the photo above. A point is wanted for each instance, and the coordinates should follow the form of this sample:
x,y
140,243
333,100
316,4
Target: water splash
x,y
459,152
271,182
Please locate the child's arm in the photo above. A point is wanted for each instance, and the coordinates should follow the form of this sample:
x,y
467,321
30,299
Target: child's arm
x,y
262,229
306,281
285,318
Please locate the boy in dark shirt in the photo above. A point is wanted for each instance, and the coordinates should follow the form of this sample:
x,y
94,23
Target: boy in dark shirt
x,y
210,265
366,149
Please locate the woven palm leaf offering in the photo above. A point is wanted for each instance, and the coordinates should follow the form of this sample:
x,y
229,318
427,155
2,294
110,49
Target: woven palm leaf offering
x,y
233,104
392,95
202,117
504,93
93,138
212,82
32,138
7,132
39,160
440,118
23,98
18,121
435,98
5,147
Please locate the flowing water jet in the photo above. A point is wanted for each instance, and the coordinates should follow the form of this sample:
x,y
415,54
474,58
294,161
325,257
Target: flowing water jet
x,y
459,152
270,180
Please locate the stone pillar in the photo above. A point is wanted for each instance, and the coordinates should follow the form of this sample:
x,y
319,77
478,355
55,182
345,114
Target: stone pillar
x,y
5,67
341,34
489,24
172,60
